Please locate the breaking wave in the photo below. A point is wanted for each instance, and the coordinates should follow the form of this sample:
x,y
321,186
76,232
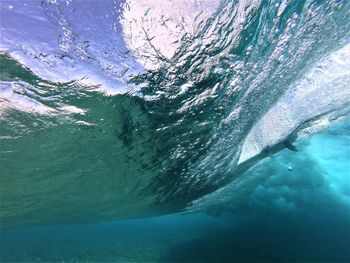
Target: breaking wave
x,y
117,109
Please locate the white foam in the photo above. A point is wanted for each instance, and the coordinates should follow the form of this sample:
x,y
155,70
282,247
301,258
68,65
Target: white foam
x,y
323,90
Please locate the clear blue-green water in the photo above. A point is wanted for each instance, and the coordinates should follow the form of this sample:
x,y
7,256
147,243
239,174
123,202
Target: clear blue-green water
x,y
186,131
301,215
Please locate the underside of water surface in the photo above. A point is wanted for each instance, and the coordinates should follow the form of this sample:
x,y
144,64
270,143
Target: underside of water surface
x,y
132,109
271,214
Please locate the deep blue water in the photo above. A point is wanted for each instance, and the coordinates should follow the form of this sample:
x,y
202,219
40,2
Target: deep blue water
x,y
257,237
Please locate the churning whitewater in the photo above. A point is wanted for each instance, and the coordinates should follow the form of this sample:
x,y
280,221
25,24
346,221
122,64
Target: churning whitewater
x,y
119,109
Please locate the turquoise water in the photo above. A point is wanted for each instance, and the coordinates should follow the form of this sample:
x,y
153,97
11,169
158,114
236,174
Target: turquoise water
x,y
278,215
146,130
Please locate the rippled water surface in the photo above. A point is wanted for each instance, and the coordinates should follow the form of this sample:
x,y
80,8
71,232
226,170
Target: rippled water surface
x,y
275,215
124,109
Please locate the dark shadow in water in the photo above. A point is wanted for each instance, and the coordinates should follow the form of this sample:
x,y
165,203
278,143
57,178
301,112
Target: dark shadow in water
x,y
254,237
301,238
